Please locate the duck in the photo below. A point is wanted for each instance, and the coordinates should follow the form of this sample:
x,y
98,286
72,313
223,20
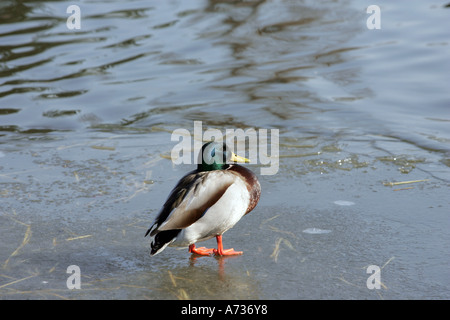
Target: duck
x,y
206,202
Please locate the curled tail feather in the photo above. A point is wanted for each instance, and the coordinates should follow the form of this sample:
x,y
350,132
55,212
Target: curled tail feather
x,y
162,240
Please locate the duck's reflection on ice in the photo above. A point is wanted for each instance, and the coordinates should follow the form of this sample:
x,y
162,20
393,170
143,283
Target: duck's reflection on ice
x,y
206,278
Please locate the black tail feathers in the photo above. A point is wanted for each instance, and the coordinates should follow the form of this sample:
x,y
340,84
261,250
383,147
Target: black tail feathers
x,y
162,239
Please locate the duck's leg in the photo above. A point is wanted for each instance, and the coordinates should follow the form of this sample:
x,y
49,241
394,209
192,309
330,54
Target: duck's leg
x,y
200,251
221,252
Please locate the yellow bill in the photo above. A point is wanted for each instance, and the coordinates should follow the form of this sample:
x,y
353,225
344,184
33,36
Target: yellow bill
x,y
236,158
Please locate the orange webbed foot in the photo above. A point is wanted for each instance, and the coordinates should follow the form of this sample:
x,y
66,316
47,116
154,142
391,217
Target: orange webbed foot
x,y
202,251
226,252
220,251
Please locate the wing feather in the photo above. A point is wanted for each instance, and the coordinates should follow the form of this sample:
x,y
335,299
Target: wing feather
x,y
194,194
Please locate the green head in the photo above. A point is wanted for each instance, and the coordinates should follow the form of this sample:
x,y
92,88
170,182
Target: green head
x,y
217,156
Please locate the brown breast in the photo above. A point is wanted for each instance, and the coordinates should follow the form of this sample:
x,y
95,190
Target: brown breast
x,y
253,186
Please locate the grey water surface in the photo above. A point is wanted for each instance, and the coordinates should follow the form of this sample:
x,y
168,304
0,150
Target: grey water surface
x,y
87,115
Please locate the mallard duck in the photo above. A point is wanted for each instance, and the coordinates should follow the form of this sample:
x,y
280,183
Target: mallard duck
x,y
206,202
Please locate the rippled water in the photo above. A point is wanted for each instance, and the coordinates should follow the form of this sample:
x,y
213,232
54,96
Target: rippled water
x,y
86,118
